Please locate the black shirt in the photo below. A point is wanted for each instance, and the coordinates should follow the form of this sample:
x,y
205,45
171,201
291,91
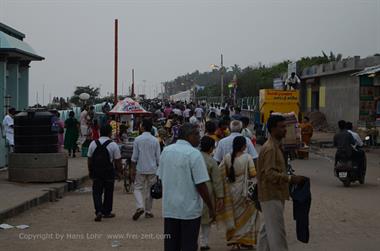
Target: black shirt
x,y
344,141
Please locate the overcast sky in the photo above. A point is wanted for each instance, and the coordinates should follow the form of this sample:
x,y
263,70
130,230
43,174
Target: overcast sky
x,y
164,39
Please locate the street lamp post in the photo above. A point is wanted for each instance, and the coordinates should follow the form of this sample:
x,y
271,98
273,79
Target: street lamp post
x,y
221,70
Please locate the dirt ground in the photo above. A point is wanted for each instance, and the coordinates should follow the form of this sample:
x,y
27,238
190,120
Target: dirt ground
x,y
340,219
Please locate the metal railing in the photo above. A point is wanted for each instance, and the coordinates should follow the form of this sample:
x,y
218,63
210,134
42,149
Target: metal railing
x,y
246,103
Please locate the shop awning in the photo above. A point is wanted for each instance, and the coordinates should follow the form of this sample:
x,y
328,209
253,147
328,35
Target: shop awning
x,y
368,71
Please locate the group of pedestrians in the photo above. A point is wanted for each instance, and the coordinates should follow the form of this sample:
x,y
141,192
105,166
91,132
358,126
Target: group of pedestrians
x,y
204,174
81,132
204,170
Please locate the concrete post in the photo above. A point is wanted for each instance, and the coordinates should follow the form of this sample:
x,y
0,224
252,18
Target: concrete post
x,y
3,72
23,86
12,84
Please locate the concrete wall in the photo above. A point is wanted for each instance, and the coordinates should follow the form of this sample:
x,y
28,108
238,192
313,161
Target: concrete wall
x,y
3,71
346,65
23,90
341,98
341,91
12,84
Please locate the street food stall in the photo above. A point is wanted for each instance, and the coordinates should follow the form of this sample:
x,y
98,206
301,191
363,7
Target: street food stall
x,y
127,114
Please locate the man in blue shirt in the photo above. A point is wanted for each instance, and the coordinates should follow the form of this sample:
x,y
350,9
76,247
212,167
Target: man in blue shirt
x,y
184,174
225,145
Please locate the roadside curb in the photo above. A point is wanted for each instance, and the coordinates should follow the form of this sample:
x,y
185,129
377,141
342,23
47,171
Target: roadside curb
x,y
51,194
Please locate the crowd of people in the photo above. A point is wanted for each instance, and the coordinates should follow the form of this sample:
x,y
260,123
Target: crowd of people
x,y
204,157
74,134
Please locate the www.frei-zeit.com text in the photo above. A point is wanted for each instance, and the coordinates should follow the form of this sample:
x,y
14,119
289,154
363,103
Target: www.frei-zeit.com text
x,y
92,236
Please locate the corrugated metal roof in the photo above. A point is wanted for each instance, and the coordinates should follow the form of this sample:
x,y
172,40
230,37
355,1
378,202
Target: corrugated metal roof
x,y
368,71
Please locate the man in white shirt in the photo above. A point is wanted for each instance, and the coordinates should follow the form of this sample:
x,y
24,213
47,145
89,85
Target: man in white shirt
x,y
246,132
193,119
225,145
186,114
84,118
177,111
103,172
145,159
184,174
358,140
8,124
212,109
199,113
293,81
218,111
358,154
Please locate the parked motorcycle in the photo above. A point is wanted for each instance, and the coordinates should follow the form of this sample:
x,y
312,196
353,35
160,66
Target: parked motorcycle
x,y
348,171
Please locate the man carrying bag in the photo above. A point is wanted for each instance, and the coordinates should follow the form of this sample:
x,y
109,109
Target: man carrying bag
x,y
103,157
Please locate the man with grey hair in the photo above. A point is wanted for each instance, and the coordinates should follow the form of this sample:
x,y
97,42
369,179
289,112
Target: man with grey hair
x,y
225,145
184,175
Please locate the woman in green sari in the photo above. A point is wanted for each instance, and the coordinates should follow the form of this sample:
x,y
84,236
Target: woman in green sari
x,y
239,213
72,133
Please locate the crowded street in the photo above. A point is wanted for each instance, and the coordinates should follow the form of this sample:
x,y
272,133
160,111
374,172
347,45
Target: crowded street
x,y
340,219
190,125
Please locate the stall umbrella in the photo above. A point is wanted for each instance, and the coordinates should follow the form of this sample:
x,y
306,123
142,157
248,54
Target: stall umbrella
x,y
128,106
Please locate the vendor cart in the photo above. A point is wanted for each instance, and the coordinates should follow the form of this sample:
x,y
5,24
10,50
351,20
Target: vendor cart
x,y
132,110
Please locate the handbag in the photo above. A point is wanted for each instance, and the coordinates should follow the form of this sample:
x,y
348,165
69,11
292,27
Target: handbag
x,y
156,190
250,189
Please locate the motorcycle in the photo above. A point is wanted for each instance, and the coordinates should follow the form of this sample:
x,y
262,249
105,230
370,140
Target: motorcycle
x,y
349,171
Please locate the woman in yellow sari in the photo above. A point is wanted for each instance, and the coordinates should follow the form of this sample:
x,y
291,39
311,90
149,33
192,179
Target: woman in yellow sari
x,y
239,213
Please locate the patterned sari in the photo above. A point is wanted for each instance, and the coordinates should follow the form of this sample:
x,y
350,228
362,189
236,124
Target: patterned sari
x,y
239,215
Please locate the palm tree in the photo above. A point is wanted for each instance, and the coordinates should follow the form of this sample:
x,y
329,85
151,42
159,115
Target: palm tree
x,y
236,69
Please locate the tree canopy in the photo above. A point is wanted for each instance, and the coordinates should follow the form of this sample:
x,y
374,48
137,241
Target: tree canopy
x,y
92,91
250,79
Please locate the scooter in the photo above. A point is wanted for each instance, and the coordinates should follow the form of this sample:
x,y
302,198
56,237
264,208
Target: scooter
x,y
348,171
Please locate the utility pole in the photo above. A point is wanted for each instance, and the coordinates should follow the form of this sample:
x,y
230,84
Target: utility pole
x,y
133,83
116,61
162,92
221,80
143,87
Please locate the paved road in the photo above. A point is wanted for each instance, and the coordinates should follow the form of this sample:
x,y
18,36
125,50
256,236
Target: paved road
x,y
341,219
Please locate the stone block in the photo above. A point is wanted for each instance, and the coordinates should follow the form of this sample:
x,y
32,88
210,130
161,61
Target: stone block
x,y
38,167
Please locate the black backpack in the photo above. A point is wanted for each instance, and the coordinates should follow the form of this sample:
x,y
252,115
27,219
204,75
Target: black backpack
x,y
102,167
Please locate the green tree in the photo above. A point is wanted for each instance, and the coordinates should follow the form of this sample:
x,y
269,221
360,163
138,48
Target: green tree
x,y
236,69
250,79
